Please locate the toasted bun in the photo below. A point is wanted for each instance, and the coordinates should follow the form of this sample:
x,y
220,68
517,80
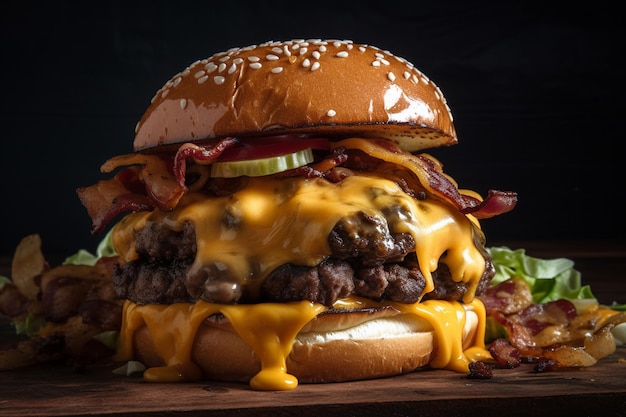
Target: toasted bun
x,y
315,86
334,347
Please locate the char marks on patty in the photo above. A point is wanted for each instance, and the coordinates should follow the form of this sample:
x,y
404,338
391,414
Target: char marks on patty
x,y
367,261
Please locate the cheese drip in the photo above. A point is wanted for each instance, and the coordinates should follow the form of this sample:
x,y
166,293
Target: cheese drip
x,y
274,221
270,329
271,222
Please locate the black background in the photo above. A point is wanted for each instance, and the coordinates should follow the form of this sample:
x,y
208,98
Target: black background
x,y
536,90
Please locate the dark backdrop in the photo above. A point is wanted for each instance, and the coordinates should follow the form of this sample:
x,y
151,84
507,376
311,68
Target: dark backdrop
x,y
536,91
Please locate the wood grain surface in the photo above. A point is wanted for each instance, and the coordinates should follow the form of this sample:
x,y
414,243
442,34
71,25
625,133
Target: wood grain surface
x,y
55,390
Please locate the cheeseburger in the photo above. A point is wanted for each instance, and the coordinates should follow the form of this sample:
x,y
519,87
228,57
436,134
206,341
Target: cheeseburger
x,y
277,223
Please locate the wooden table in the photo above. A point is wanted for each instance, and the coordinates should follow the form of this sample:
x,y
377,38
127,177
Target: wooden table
x,y
54,389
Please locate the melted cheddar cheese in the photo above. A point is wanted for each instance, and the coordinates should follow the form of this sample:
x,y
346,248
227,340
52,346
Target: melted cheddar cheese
x,y
274,221
288,220
270,329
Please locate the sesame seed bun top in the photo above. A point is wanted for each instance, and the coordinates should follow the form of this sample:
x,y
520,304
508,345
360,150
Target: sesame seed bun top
x,y
313,86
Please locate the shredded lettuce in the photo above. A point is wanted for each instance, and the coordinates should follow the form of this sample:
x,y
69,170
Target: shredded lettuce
x,y
549,279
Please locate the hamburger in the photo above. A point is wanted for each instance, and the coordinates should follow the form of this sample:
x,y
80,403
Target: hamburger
x,y
278,223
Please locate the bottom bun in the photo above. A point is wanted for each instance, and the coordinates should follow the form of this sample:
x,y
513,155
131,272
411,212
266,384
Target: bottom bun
x,y
336,346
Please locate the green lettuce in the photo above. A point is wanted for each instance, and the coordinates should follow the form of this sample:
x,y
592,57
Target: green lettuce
x,y
549,279
84,257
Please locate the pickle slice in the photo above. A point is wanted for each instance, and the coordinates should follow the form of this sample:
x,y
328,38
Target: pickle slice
x,y
261,166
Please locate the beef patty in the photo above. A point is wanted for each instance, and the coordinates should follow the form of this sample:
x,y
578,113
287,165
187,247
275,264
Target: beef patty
x,y
367,260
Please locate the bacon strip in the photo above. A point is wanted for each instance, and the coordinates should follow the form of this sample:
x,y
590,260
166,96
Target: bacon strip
x,y
158,181
108,198
496,202
200,155
148,182
430,173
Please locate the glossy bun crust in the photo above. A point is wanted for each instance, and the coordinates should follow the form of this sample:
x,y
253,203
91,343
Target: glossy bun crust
x,y
313,86
335,347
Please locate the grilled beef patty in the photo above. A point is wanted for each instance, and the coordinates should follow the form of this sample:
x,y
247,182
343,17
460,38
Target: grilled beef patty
x,y
367,261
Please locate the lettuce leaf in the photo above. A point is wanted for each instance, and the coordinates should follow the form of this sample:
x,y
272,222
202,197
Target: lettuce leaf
x,y
84,257
549,279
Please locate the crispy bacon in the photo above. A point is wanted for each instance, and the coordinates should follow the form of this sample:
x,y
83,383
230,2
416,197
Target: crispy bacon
x,y
496,202
508,297
505,355
430,173
552,332
537,317
524,328
200,154
480,370
150,181
109,198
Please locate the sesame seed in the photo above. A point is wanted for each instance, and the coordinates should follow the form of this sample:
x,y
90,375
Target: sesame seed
x,y
164,93
237,61
342,54
277,50
376,63
406,75
183,103
256,65
362,48
221,67
202,79
316,54
331,113
224,58
415,79
232,69
199,74
218,79
286,50
391,76
271,57
253,58
303,51
337,44
210,67
384,61
276,70
315,66
323,48
306,63
177,81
